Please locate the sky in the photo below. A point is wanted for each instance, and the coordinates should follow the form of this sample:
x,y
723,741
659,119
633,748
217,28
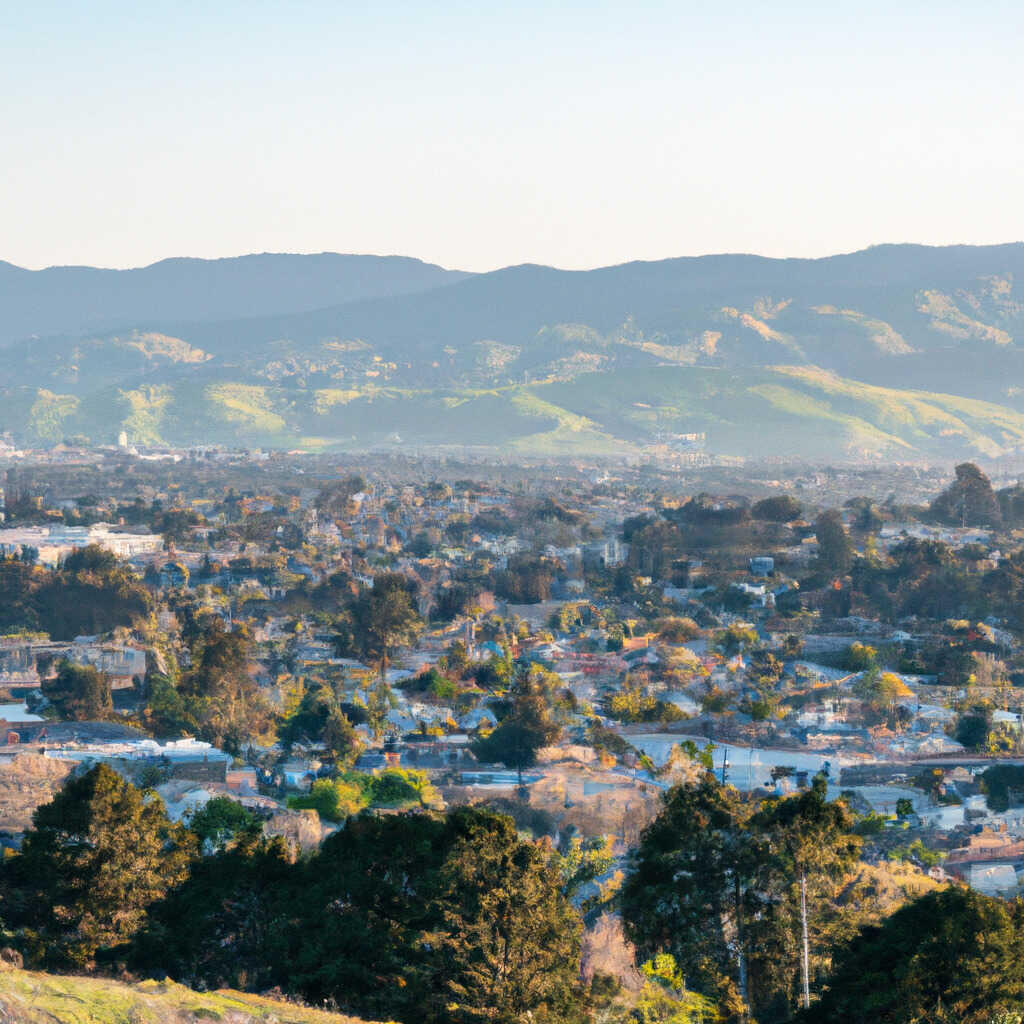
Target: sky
x,y
478,135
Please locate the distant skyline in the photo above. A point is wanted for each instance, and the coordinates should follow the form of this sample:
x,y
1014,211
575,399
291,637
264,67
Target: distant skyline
x,y
478,136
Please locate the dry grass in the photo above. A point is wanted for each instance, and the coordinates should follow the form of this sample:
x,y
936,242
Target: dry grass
x,y
28,997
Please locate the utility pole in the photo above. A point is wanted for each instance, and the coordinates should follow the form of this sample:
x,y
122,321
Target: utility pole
x,y
725,764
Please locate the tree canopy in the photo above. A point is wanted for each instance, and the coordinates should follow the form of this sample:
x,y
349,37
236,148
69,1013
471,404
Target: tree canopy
x,y
952,955
79,693
96,858
969,500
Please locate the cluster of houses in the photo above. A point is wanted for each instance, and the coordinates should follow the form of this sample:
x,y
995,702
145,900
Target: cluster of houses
x,y
245,576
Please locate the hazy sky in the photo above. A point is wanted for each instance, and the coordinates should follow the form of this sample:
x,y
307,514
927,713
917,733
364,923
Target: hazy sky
x,y
483,134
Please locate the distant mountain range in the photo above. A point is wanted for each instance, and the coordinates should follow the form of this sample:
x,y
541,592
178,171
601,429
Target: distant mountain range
x,y
76,300
899,351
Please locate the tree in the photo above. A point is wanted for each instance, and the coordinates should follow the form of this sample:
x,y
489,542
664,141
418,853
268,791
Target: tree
x,y
780,509
969,500
951,956
811,844
230,923
222,701
677,629
734,639
91,559
165,712
79,693
688,891
509,948
368,895
973,725
765,669
340,739
402,787
860,657
220,821
384,617
96,858
524,730
792,647
835,549
319,719
436,920
335,500
332,799
527,580
90,593
664,998
881,690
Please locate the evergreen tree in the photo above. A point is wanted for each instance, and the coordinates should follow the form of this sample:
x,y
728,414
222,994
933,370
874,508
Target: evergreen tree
x,y
509,948
364,904
79,693
220,821
228,924
969,500
780,509
688,892
385,617
522,732
951,957
96,858
808,844
220,697
835,549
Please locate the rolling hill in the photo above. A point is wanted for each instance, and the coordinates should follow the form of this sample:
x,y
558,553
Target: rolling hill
x,y
31,997
893,352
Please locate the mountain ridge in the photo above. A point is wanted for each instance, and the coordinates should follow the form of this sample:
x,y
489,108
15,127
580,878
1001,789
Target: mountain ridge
x,y
73,300
904,330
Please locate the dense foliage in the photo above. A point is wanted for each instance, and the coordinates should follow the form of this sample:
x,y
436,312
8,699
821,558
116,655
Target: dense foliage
x,y
95,860
89,594
953,955
409,917
717,884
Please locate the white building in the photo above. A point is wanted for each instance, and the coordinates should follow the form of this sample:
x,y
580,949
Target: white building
x,y
54,543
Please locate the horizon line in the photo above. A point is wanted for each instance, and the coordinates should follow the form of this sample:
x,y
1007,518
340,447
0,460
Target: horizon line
x,y
510,266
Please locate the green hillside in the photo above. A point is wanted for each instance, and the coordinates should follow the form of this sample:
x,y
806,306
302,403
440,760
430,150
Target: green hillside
x,y
799,411
893,352
30,997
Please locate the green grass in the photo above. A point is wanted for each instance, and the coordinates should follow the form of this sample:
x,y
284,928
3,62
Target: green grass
x,y
30,997
248,408
790,411
49,414
147,407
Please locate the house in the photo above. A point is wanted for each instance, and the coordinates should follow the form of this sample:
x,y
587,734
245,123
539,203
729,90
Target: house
x,y
759,595
241,780
476,718
299,774
993,879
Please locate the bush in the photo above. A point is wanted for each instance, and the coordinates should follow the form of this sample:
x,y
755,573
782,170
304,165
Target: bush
x,y
860,657
677,630
332,799
633,705
400,787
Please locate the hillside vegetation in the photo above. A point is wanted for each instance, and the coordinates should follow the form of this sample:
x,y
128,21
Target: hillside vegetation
x,y
30,997
897,351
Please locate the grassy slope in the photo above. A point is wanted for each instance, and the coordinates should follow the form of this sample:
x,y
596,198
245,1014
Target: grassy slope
x,y
29,997
783,410
787,410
